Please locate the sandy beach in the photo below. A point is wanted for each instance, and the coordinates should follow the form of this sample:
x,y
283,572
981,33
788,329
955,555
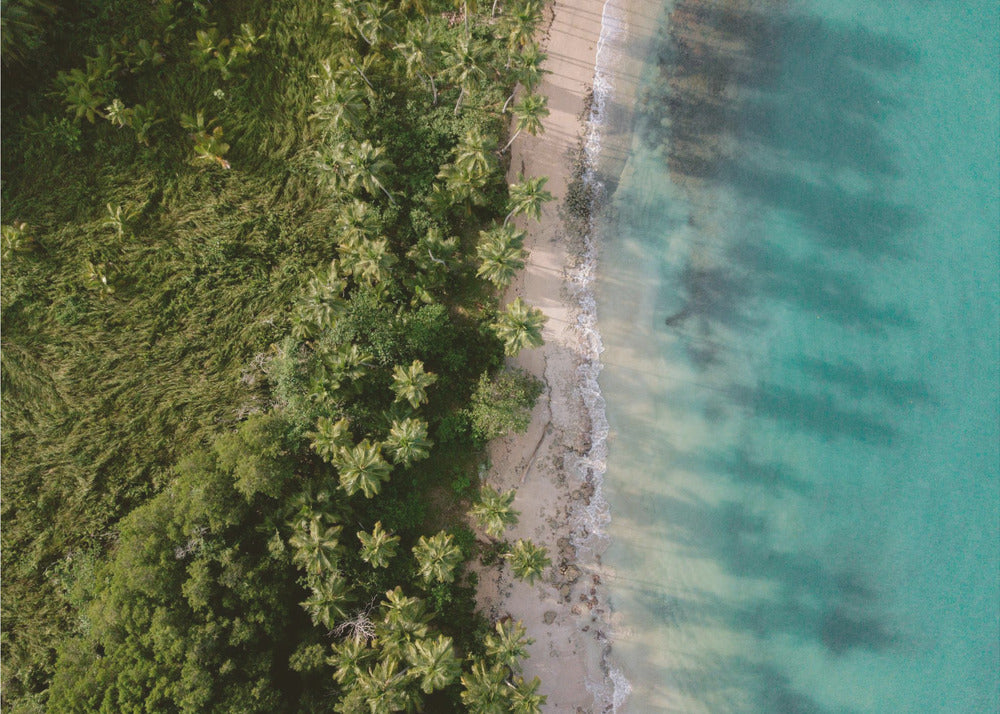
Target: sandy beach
x,y
564,611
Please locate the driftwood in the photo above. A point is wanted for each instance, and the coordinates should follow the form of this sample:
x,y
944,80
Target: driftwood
x,y
531,460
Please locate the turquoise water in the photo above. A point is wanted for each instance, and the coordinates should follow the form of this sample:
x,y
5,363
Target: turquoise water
x,y
799,299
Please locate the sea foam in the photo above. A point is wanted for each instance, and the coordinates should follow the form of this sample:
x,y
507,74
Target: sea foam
x,y
591,520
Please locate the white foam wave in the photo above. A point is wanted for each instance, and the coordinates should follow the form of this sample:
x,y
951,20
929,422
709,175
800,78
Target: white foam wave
x,y
590,521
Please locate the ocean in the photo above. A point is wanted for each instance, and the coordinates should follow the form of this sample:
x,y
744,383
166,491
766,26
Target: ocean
x,y
798,296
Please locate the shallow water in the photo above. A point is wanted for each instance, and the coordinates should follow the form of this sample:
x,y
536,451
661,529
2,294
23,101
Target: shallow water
x,y
799,300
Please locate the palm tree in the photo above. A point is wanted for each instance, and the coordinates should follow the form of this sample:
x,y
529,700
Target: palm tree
x,y
404,621
433,251
348,660
407,441
529,113
366,168
527,560
500,254
485,691
526,70
339,103
499,263
519,326
434,662
417,51
378,547
529,66
362,468
376,22
316,545
384,688
524,696
327,600
475,152
463,64
527,197
437,557
462,185
493,512
523,23
330,437
410,383
373,261
508,645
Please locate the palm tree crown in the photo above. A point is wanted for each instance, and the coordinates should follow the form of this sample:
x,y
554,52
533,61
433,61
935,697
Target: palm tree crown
x,y
407,441
527,197
316,544
508,644
362,468
378,547
411,383
493,512
437,557
434,661
500,254
527,560
529,113
519,326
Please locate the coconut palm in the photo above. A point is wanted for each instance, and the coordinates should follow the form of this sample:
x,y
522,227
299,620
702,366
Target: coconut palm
x,y
524,697
433,252
499,263
410,383
378,547
519,326
349,660
362,468
527,197
336,367
437,557
508,644
407,441
526,70
373,262
493,512
484,689
522,26
528,114
366,168
340,102
330,437
316,544
475,152
376,22
404,621
464,66
462,185
327,600
385,689
417,52
527,560
434,662
529,66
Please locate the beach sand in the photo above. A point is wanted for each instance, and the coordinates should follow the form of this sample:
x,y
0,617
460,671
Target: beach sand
x,y
564,611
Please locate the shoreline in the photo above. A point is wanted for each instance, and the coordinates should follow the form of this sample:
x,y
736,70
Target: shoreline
x,y
556,465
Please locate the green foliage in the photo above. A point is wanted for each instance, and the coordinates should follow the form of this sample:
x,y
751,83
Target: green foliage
x,y
503,403
258,454
190,353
